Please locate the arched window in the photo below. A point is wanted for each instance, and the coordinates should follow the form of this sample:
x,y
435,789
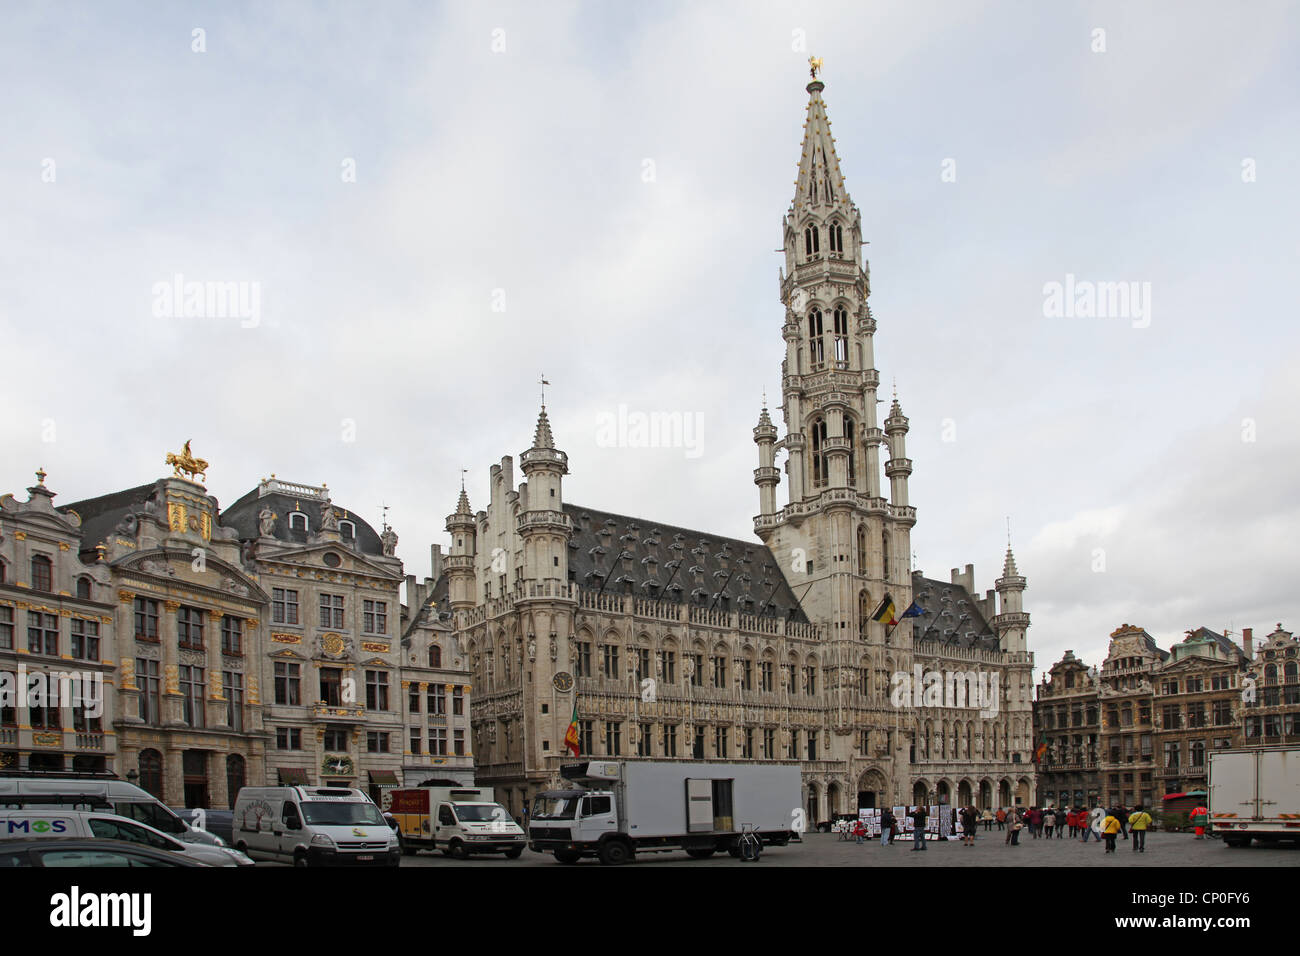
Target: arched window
x,y
884,554
1270,674
850,434
811,244
862,549
1289,671
816,345
42,573
83,587
298,520
347,529
435,655
151,772
2,572
819,463
841,321
836,238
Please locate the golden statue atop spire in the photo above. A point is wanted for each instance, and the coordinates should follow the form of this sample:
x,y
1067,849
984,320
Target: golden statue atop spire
x,y
187,463
816,63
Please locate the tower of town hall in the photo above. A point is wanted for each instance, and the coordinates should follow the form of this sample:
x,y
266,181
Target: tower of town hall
x,y
669,643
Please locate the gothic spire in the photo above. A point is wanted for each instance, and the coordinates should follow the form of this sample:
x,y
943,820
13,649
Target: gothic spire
x,y
542,436
820,180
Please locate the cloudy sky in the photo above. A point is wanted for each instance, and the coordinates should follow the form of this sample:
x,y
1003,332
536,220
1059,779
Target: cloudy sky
x,y
435,204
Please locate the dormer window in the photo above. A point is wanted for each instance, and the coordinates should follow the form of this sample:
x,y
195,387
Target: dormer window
x,y
347,529
83,588
298,521
42,573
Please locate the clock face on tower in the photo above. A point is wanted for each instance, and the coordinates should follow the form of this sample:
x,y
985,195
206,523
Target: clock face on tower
x,y
563,682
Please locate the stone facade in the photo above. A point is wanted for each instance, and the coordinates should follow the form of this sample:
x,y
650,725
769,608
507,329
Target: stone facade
x,y
679,644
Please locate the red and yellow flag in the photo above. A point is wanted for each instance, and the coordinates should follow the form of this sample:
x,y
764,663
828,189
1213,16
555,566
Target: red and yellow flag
x,y
571,735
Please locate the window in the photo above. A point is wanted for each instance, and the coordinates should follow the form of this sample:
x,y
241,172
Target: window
x,y
331,610
437,698
884,554
376,690
337,738
234,684
1171,753
746,674
146,677
816,342
719,671
697,672
331,686
6,629
146,619
413,699
835,236
582,660
435,655
297,521
613,738
347,529
42,633
191,684
670,667
189,627
670,740
642,664
84,723
698,750
769,743
610,664
851,436
232,636
644,747
85,639
840,321
438,741
810,680
585,737
284,606
415,741
811,243
288,683
457,701
374,617
458,739
377,742
42,573
720,738
83,588
820,464
812,745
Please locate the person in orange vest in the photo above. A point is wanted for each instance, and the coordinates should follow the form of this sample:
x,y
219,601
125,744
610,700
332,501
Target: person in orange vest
x,y
1200,817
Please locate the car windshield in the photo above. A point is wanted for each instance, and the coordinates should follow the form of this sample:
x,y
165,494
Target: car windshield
x,y
341,814
554,807
480,812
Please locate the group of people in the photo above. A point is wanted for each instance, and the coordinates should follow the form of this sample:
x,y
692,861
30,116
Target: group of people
x,y
1099,824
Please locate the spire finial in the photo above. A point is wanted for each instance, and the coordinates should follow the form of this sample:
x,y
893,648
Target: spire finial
x,y
764,399
1008,532
815,64
385,511
462,478
40,475
543,382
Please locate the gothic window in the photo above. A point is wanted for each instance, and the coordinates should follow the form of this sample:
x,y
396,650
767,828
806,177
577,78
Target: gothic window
x,y
819,463
836,237
816,347
862,550
884,553
811,241
864,609
841,321
849,433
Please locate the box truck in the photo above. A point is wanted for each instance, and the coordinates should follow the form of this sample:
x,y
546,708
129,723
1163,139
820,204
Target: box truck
x,y
617,809
1255,795
456,820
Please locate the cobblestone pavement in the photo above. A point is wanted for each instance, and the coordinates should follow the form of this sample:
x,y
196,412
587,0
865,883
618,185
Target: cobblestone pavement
x,y
823,849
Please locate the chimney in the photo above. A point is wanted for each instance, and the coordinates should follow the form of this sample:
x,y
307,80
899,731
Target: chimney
x,y
1247,642
435,559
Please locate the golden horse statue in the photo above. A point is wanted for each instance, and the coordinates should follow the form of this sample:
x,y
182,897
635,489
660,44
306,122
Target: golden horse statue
x,y
185,462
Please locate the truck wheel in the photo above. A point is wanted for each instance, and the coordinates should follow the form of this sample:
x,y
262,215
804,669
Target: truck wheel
x,y
614,853
514,852
567,856
300,858
700,853
1236,841
733,852
456,850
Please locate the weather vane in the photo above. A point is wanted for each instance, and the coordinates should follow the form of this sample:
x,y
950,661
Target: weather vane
x,y
816,63
543,383
385,508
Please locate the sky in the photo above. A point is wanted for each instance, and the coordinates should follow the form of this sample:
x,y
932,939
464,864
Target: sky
x,y
431,206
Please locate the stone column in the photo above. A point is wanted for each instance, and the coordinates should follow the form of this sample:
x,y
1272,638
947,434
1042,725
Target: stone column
x,y
128,692
171,691
216,690
173,775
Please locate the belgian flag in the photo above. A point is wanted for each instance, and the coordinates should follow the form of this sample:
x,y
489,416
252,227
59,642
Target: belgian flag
x,y
571,735
885,613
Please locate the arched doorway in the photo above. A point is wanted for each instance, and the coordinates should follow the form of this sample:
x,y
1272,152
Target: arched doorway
x,y
1022,792
194,767
814,805
986,795
871,790
965,796
945,792
151,773
920,794
1004,793
832,800
236,776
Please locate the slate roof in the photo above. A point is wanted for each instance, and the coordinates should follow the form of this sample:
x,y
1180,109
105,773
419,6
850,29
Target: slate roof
x,y
951,615
242,516
100,516
1225,644
666,562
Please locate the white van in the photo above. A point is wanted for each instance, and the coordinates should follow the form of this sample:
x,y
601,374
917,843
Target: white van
x,y
313,826
124,798
96,825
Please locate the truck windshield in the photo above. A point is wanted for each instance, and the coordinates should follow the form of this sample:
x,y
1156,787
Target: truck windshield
x,y
341,814
554,808
480,812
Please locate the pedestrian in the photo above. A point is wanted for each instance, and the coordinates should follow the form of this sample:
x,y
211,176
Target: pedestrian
x,y
1110,829
918,828
1049,822
1014,825
1121,814
1199,818
1072,821
1139,821
1001,817
1060,823
1035,822
987,817
859,830
886,827
969,821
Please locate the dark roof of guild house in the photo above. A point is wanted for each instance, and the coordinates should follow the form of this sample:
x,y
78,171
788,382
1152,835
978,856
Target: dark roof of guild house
x,y
242,516
951,615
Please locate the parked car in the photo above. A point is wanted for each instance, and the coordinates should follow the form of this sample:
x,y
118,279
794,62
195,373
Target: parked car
x,y
81,854
219,823
42,823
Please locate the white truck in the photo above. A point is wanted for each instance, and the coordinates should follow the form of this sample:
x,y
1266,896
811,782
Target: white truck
x,y
617,809
1255,795
456,820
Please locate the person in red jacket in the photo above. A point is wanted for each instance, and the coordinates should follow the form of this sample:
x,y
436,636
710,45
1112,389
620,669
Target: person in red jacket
x,y
1201,814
